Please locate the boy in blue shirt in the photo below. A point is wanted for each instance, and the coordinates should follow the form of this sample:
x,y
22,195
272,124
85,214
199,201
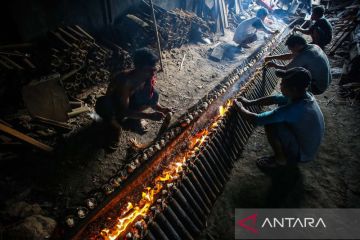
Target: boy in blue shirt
x,y
294,129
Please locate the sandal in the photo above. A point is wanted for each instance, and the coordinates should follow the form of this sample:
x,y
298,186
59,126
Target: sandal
x,y
268,162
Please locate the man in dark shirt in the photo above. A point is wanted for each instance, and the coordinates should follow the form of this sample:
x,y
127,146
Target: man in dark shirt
x,y
308,56
321,30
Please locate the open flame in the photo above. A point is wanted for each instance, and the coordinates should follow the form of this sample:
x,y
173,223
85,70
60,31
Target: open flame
x,y
127,216
132,213
223,109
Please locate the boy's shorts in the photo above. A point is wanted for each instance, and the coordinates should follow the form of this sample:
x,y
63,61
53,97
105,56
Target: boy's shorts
x,y
142,100
281,132
107,108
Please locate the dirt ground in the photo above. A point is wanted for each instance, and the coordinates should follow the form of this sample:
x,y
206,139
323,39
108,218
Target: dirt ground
x,y
331,181
81,163
179,89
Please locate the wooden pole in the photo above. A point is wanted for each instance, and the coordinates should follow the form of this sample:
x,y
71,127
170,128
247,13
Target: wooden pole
x,y
157,35
78,111
25,138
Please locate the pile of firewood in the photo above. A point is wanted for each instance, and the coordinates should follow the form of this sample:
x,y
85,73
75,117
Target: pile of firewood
x,y
345,45
175,27
80,60
69,51
69,56
15,57
83,62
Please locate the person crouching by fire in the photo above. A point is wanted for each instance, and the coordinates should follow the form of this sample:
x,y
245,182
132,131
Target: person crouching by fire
x,y
129,94
295,128
245,33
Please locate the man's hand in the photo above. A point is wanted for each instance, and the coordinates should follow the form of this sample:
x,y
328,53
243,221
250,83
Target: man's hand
x,y
156,116
238,105
296,28
268,58
243,101
164,110
250,116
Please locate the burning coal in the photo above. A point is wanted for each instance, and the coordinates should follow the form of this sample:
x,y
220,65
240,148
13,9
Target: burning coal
x,y
172,196
136,212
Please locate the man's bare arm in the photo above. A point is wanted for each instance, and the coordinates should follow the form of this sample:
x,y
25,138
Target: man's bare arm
x,y
306,31
250,116
276,66
124,93
261,26
264,101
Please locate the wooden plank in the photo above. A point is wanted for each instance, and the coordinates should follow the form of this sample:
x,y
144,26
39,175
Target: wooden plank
x,y
60,38
221,16
339,7
5,123
137,20
76,104
76,32
29,63
84,32
8,60
25,138
53,123
225,14
78,111
73,38
217,16
20,45
341,40
5,65
69,74
238,7
46,98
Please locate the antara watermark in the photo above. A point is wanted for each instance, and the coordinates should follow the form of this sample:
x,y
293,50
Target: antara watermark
x,y
290,222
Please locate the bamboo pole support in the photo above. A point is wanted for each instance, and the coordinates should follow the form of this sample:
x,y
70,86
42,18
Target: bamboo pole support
x,y
157,35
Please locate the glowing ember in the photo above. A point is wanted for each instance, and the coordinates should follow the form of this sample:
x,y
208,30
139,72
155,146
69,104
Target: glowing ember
x,y
224,109
133,213
221,111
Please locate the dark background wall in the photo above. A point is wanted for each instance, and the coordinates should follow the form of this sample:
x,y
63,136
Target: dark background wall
x,y
170,4
25,20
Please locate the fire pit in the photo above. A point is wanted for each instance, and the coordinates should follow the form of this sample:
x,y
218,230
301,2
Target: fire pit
x,y
167,190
